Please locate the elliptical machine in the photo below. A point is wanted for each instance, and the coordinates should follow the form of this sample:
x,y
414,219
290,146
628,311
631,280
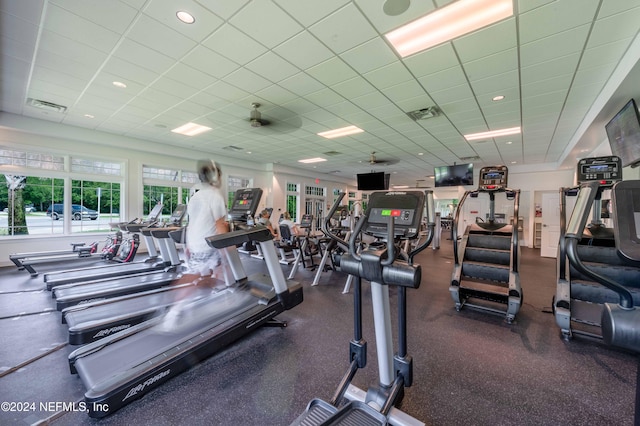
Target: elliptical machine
x,y
392,217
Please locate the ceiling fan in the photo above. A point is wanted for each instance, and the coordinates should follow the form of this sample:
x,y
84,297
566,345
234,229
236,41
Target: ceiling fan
x,y
375,161
255,117
276,119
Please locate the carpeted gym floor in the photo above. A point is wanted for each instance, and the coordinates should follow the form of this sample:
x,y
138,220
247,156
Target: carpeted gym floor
x,y
470,367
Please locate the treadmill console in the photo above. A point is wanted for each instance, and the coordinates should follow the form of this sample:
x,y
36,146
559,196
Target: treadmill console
x,y
493,178
245,204
178,214
607,170
306,221
405,207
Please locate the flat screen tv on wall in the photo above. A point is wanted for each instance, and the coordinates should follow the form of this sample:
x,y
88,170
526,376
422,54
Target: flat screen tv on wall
x,y
376,181
459,174
623,132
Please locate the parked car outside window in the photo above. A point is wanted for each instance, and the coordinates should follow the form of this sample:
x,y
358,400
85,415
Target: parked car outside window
x,y
78,212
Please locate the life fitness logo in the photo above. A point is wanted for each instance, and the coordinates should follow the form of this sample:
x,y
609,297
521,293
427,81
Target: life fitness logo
x,y
142,386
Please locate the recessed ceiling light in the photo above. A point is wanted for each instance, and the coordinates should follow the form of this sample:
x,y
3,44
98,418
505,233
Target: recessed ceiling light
x,y
514,162
120,84
312,160
185,17
492,134
421,153
90,116
343,131
498,98
248,152
509,142
191,129
446,23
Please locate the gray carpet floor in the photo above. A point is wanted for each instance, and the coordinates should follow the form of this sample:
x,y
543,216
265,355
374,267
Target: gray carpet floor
x,y
470,367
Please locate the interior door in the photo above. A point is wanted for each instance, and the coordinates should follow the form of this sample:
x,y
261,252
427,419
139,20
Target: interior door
x,y
550,224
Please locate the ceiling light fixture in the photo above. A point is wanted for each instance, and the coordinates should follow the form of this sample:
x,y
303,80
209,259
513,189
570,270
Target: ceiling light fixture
x,y
497,98
185,17
120,84
447,23
312,160
343,131
492,134
90,116
191,129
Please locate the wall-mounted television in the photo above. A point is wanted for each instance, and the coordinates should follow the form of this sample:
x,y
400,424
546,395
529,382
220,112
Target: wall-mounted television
x,y
376,181
623,132
458,174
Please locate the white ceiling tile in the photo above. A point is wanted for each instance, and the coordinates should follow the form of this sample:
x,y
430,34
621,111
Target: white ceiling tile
x,y
243,49
272,67
128,71
384,23
405,90
276,95
270,32
248,80
432,61
488,41
556,17
496,84
553,47
332,71
389,75
190,76
114,16
164,11
153,34
310,12
443,80
301,84
369,56
325,97
72,49
344,30
303,50
544,70
353,87
498,63
143,56
226,91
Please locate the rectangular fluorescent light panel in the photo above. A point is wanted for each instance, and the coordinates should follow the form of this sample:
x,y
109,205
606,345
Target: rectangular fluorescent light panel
x,y
492,134
344,131
446,23
191,129
312,160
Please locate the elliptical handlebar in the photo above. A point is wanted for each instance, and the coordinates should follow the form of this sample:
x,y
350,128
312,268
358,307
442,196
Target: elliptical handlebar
x,y
431,225
325,223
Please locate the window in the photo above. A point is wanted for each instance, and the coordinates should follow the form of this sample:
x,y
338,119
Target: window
x,y
167,186
233,184
24,202
293,200
33,199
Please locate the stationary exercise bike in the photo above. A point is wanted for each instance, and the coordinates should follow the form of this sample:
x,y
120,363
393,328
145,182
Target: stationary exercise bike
x,y
392,217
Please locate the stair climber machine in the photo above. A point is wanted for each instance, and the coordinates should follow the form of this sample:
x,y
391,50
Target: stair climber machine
x,y
581,297
93,320
487,257
109,252
169,260
126,365
392,217
617,292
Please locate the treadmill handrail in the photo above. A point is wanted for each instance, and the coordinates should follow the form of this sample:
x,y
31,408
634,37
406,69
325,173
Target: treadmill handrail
x,y
258,233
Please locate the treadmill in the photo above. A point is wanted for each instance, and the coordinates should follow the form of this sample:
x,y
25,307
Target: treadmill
x,y
147,279
167,248
100,318
126,365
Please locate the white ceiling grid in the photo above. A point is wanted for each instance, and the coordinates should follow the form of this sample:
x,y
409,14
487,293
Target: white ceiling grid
x,y
314,66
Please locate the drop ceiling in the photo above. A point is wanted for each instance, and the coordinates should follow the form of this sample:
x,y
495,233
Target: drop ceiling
x,y
564,67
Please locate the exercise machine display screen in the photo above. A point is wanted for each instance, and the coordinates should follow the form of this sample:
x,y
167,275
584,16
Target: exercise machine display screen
x,y
607,170
306,221
245,203
493,178
405,208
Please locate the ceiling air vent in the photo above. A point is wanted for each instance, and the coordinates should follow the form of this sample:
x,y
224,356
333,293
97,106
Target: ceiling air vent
x,y
424,113
472,158
49,106
332,153
232,148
